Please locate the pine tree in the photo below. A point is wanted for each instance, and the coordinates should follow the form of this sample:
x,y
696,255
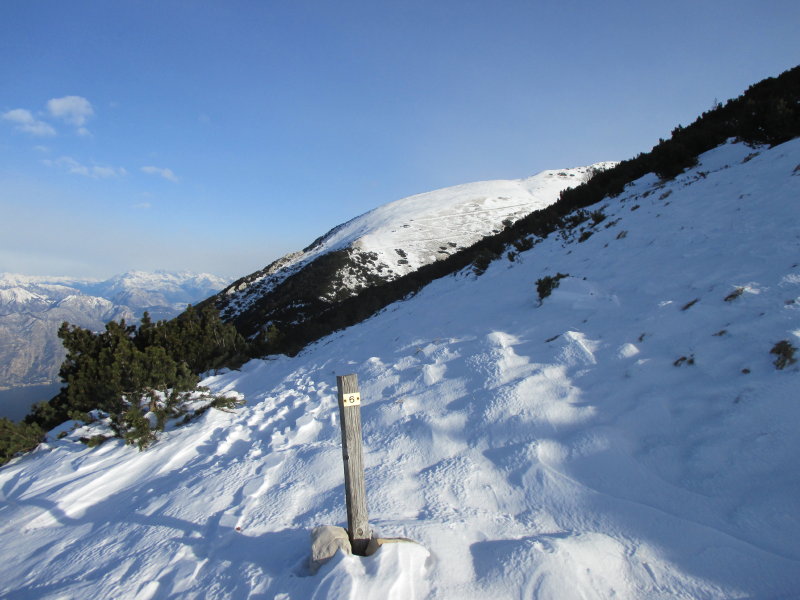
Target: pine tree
x,y
16,438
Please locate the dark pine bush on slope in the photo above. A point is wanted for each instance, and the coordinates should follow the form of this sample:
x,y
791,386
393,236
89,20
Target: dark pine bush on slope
x,y
784,352
546,285
16,438
767,113
106,370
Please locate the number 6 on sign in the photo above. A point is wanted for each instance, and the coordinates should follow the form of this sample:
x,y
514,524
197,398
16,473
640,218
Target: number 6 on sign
x,y
351,399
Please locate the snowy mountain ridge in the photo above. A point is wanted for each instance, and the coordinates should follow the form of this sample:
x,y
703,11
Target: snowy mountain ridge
x,y
457,215
165,286
159,288
395,239
628,436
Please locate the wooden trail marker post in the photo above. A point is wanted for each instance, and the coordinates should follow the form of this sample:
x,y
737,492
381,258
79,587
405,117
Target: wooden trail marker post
x,y
355,491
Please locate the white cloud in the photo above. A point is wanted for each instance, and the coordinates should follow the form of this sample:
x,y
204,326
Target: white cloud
x,y
142,205
77,168
70,164
165,173
25,121
104,172
75,110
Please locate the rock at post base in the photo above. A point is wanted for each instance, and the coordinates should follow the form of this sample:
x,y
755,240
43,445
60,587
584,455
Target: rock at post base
x,y
326,540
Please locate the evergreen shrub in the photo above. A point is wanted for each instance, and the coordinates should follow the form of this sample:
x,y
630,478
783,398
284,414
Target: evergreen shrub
x,y
548,283
784,352
16,438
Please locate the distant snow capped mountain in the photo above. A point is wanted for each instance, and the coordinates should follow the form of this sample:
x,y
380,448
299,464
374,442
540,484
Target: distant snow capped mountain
x,y
19,299
33,307
141,289
389,242
97,308
27,281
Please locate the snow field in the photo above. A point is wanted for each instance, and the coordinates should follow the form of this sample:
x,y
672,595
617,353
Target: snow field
x,y
551,450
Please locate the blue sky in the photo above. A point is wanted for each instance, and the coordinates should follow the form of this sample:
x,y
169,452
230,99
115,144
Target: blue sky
x,y
217,136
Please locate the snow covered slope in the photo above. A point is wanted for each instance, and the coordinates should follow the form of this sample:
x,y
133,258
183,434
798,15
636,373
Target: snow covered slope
x,y
627,437
428,225
390,241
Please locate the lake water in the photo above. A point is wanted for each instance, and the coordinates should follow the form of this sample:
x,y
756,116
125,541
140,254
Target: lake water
x,y
16,402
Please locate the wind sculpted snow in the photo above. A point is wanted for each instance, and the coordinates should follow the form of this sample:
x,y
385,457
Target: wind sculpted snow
x,y
627,437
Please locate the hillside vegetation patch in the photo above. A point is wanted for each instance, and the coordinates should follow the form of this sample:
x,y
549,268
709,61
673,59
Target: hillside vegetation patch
x,y
546,285
784,353
140,378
